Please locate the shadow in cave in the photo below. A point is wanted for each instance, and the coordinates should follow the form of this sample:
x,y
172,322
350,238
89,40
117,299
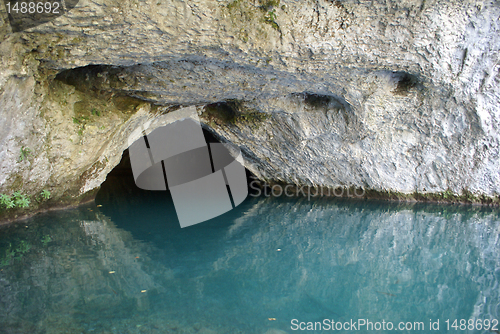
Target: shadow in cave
x,y
150,215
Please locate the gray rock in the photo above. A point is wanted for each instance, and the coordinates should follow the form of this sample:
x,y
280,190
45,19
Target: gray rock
x,y
396,96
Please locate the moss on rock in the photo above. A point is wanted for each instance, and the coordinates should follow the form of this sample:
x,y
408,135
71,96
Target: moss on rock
x,y
232,112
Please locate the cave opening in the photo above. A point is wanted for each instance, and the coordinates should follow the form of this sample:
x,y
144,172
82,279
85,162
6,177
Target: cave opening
x,y
119,193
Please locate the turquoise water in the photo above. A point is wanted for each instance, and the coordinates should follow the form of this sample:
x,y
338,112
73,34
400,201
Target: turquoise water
x,y
127,267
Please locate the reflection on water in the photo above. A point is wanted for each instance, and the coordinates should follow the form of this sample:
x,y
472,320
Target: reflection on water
x,y
127,267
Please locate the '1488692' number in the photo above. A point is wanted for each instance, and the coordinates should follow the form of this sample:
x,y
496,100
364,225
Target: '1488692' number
x,y
33,7
473,324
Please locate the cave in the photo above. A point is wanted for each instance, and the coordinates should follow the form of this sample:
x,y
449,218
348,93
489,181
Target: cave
x,y
119,195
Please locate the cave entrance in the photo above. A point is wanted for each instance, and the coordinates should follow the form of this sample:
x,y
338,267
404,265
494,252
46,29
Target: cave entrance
x,y
119,193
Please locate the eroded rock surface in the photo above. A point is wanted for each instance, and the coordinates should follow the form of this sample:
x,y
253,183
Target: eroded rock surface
x,y
392,96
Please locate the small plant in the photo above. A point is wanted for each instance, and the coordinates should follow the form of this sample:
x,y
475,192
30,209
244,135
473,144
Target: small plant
x,y
25,152
46,239
448,195
266,4
271,16
96,112
45,194
21,200
23,247
233,4
6,201
468,196
76,120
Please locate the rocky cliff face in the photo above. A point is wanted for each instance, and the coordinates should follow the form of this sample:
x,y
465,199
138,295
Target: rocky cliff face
x,y
397,96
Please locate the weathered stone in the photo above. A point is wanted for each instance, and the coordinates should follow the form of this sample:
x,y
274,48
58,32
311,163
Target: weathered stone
x,y
391,96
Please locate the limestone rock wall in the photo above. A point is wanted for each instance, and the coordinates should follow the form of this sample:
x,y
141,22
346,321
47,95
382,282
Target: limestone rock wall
x,y
387,95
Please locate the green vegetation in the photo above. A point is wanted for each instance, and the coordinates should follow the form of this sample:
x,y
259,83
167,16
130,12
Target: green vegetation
x,y
233,4
19,200
267,4
233,112
245,15
446,196
264,5
14,252
80,120
270,18
86,112
7,258
46,239
6,201
25,152
45,194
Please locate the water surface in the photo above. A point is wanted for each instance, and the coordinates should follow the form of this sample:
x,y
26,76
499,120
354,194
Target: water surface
x,y
127,266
